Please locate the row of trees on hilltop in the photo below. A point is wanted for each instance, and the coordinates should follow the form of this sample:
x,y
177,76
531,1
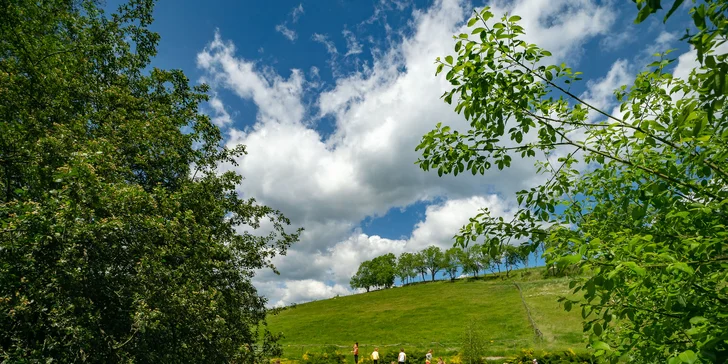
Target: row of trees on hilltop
x,y
381,271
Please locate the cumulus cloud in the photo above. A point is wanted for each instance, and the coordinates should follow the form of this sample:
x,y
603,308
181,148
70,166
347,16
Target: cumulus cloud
x,y
329,184
221,117
560,26
305,290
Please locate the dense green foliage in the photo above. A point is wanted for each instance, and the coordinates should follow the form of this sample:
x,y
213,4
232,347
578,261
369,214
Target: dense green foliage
x,y
118,238
378,272
637,199
432,315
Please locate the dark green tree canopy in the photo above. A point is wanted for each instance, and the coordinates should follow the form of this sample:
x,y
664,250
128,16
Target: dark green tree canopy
x,y
118,237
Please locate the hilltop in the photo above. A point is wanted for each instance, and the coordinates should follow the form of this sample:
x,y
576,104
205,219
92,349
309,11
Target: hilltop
x,y
436,314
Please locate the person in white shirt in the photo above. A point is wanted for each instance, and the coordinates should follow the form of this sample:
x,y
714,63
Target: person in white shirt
x,y
428,356
375,356
402,356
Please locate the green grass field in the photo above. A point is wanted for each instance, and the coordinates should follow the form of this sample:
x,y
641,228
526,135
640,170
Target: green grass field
x,y
435,315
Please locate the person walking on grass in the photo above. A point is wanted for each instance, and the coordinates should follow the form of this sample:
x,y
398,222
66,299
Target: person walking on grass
x,y
356,352
440,361
402,356
428,357
375,356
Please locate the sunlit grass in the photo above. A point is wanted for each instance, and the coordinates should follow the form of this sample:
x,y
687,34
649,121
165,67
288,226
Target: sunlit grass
x,y
434,315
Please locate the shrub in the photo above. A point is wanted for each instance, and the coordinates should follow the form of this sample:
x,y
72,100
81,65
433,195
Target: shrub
x,y
329,355
413,355
544,357
473,345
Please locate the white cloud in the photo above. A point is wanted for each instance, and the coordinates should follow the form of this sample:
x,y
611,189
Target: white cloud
x,y
353,47
288,33
296,13
612,42
560,26
324,39
283,28
221,117
328,184
289,292
600,92
277,98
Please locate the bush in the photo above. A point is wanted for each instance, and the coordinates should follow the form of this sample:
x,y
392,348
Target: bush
x,y
329,355
473,345
544,357
413,355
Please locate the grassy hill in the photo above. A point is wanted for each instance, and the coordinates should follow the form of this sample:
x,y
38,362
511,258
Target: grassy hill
x,y
435,315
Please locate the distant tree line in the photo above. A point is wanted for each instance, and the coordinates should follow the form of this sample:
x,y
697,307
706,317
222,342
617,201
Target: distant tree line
x,y
476,259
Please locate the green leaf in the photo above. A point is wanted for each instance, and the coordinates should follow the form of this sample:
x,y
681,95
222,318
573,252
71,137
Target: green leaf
x,y
472,21
683,267
600,345
448,59
675,5
688,356
570,259
635,268
514,18
597,328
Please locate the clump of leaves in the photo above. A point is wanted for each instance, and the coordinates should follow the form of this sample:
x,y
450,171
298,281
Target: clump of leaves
x,y
636,199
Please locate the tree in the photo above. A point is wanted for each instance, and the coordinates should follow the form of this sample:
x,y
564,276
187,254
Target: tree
x,y
481,256
524,253
511,257
420,264
405,267
384,270
469,260
118,238
364,277
646,221
452,261
434,259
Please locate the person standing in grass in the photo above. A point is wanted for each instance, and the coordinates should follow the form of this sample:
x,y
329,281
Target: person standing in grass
x,y
375,356
356,352
402,356
428,356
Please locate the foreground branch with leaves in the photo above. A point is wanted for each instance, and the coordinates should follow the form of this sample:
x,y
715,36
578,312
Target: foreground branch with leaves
x,y
118,234
637,199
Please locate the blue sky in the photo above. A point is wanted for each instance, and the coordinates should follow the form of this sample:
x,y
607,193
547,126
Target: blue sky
x,y
331,97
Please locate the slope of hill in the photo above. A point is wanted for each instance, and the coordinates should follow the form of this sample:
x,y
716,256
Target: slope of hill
x,y
436,315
